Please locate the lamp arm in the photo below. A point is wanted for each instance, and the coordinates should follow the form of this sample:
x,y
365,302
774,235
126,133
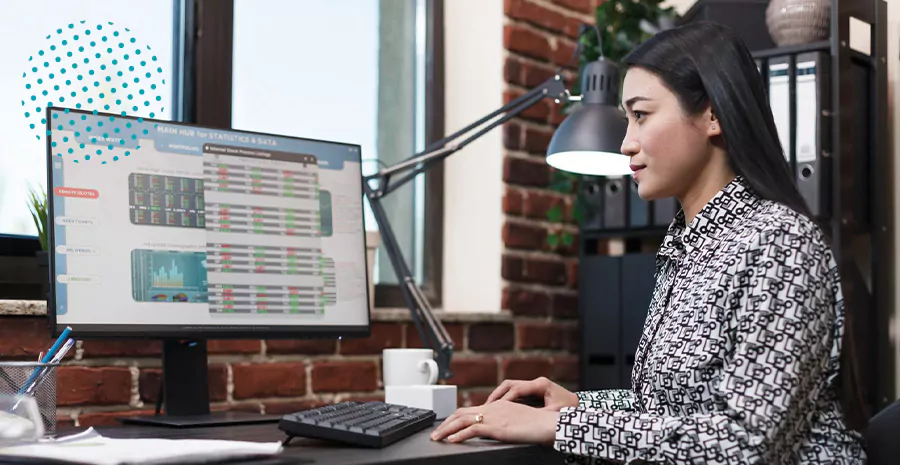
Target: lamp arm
x,y
429,327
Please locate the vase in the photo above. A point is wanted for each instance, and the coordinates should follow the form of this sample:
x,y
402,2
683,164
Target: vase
x,y
793,22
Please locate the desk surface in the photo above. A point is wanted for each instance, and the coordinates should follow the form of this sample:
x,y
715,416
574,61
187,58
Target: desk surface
x,y
418,448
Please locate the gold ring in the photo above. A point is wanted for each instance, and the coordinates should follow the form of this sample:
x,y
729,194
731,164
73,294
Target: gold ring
x,y
479,418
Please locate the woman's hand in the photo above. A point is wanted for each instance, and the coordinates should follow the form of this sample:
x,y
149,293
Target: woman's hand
x,y
555,396
500,420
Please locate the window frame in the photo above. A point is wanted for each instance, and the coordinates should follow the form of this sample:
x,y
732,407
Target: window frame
x,y
202,75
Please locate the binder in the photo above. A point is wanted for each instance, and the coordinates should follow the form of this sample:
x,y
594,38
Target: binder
x,y
638,208
664,211
780,100
592,195
813,134
615,203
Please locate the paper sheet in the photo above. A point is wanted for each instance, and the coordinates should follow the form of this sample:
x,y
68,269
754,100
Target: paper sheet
x,y
92,448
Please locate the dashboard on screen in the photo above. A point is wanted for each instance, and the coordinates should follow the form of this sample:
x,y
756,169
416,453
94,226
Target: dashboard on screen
x,y
162,228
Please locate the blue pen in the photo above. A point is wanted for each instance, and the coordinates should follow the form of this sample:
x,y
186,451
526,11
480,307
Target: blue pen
x,y
47,358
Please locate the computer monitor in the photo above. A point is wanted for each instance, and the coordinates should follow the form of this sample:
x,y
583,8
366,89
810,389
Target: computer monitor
x,y
181,232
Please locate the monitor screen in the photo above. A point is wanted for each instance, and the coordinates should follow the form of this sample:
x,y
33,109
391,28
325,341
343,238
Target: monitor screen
x,y
166,229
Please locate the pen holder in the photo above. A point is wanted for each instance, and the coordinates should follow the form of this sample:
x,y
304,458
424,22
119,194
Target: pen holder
x,y
36,380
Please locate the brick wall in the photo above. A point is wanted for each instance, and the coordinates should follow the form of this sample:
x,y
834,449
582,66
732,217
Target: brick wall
x,y
539,38
535,336
102,380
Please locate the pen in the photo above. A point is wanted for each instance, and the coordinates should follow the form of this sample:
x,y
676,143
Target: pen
x,y
47,357
56,359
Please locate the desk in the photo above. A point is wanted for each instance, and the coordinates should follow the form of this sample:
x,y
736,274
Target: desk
x,y
416,449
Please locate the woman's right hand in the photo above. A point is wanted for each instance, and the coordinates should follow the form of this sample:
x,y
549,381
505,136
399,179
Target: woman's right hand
x,y
555,396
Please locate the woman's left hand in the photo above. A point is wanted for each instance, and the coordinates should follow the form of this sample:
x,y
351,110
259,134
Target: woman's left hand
x,y
501,420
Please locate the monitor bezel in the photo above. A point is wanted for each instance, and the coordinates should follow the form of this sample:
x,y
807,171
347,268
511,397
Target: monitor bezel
x,y
119,331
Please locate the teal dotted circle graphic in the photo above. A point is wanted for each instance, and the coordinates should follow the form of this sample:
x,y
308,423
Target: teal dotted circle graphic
x,y
91,67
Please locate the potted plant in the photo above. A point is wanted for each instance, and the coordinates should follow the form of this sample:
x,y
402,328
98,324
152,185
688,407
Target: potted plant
x,y
623,25
37,205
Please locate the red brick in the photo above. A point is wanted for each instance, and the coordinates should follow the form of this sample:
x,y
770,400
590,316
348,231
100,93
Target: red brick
x,y
526,368
564,306
269,380
97,386
572,274
541,336
454,330
124,348
24,337
539,112
564,369
344,377
564,53
537,204
512,70
512,202
537,140
581,6
491,337
525,172
229,346
524,236
108,418
512,136
571,27
527,42
383,336
533,270
64,423
362,398
524,302
301,346
149,383
557,114
534,14
473,372
283,408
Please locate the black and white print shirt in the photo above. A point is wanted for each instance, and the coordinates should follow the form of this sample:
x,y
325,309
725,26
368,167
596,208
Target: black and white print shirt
x,y
739,356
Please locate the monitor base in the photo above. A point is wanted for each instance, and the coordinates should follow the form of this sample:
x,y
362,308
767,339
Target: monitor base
x,y
211,419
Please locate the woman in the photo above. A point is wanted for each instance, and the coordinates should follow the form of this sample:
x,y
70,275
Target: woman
x,y
739,358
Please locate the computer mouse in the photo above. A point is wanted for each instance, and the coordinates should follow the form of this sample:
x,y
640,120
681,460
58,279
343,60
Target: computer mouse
x,y
531,401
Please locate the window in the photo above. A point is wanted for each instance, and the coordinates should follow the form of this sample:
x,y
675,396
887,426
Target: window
x,y
360,71
351,71
23,158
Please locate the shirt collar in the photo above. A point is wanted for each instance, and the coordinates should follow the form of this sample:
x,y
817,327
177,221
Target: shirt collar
x,y
718,216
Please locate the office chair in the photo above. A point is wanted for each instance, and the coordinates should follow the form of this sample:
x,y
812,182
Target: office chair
x,y
882,444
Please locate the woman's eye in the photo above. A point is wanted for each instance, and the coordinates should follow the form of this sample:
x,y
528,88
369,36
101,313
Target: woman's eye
x,y
638,114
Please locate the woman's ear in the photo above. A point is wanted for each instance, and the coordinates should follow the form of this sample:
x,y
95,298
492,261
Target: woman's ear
x,y
714,128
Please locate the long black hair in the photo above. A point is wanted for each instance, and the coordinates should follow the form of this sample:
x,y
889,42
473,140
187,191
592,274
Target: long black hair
x,y
706,66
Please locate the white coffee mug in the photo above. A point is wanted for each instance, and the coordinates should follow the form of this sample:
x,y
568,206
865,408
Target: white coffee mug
x,y
409,367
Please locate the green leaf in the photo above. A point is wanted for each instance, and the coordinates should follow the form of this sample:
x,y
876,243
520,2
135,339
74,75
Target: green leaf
x,y
555,214
567,238
578,213
553,240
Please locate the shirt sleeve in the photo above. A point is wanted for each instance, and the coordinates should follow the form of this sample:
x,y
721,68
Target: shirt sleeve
x,y
607,399
785,307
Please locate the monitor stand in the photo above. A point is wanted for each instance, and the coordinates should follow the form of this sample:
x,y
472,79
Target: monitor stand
x,y
186,392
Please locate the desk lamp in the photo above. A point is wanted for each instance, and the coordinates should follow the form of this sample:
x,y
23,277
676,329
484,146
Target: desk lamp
x,y
586,142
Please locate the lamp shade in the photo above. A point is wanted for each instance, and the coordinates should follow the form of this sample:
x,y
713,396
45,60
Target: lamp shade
x,y
589,140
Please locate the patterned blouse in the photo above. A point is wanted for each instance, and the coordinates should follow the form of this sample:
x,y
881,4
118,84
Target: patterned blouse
x,y
740,350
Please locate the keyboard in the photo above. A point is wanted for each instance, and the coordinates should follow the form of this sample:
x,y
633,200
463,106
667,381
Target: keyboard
x,y
369,424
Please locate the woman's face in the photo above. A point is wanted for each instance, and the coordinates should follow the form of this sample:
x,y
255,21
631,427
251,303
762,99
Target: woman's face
x,y
668,149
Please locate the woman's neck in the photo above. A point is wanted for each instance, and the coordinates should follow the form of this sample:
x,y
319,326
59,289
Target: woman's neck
x,y
704,188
